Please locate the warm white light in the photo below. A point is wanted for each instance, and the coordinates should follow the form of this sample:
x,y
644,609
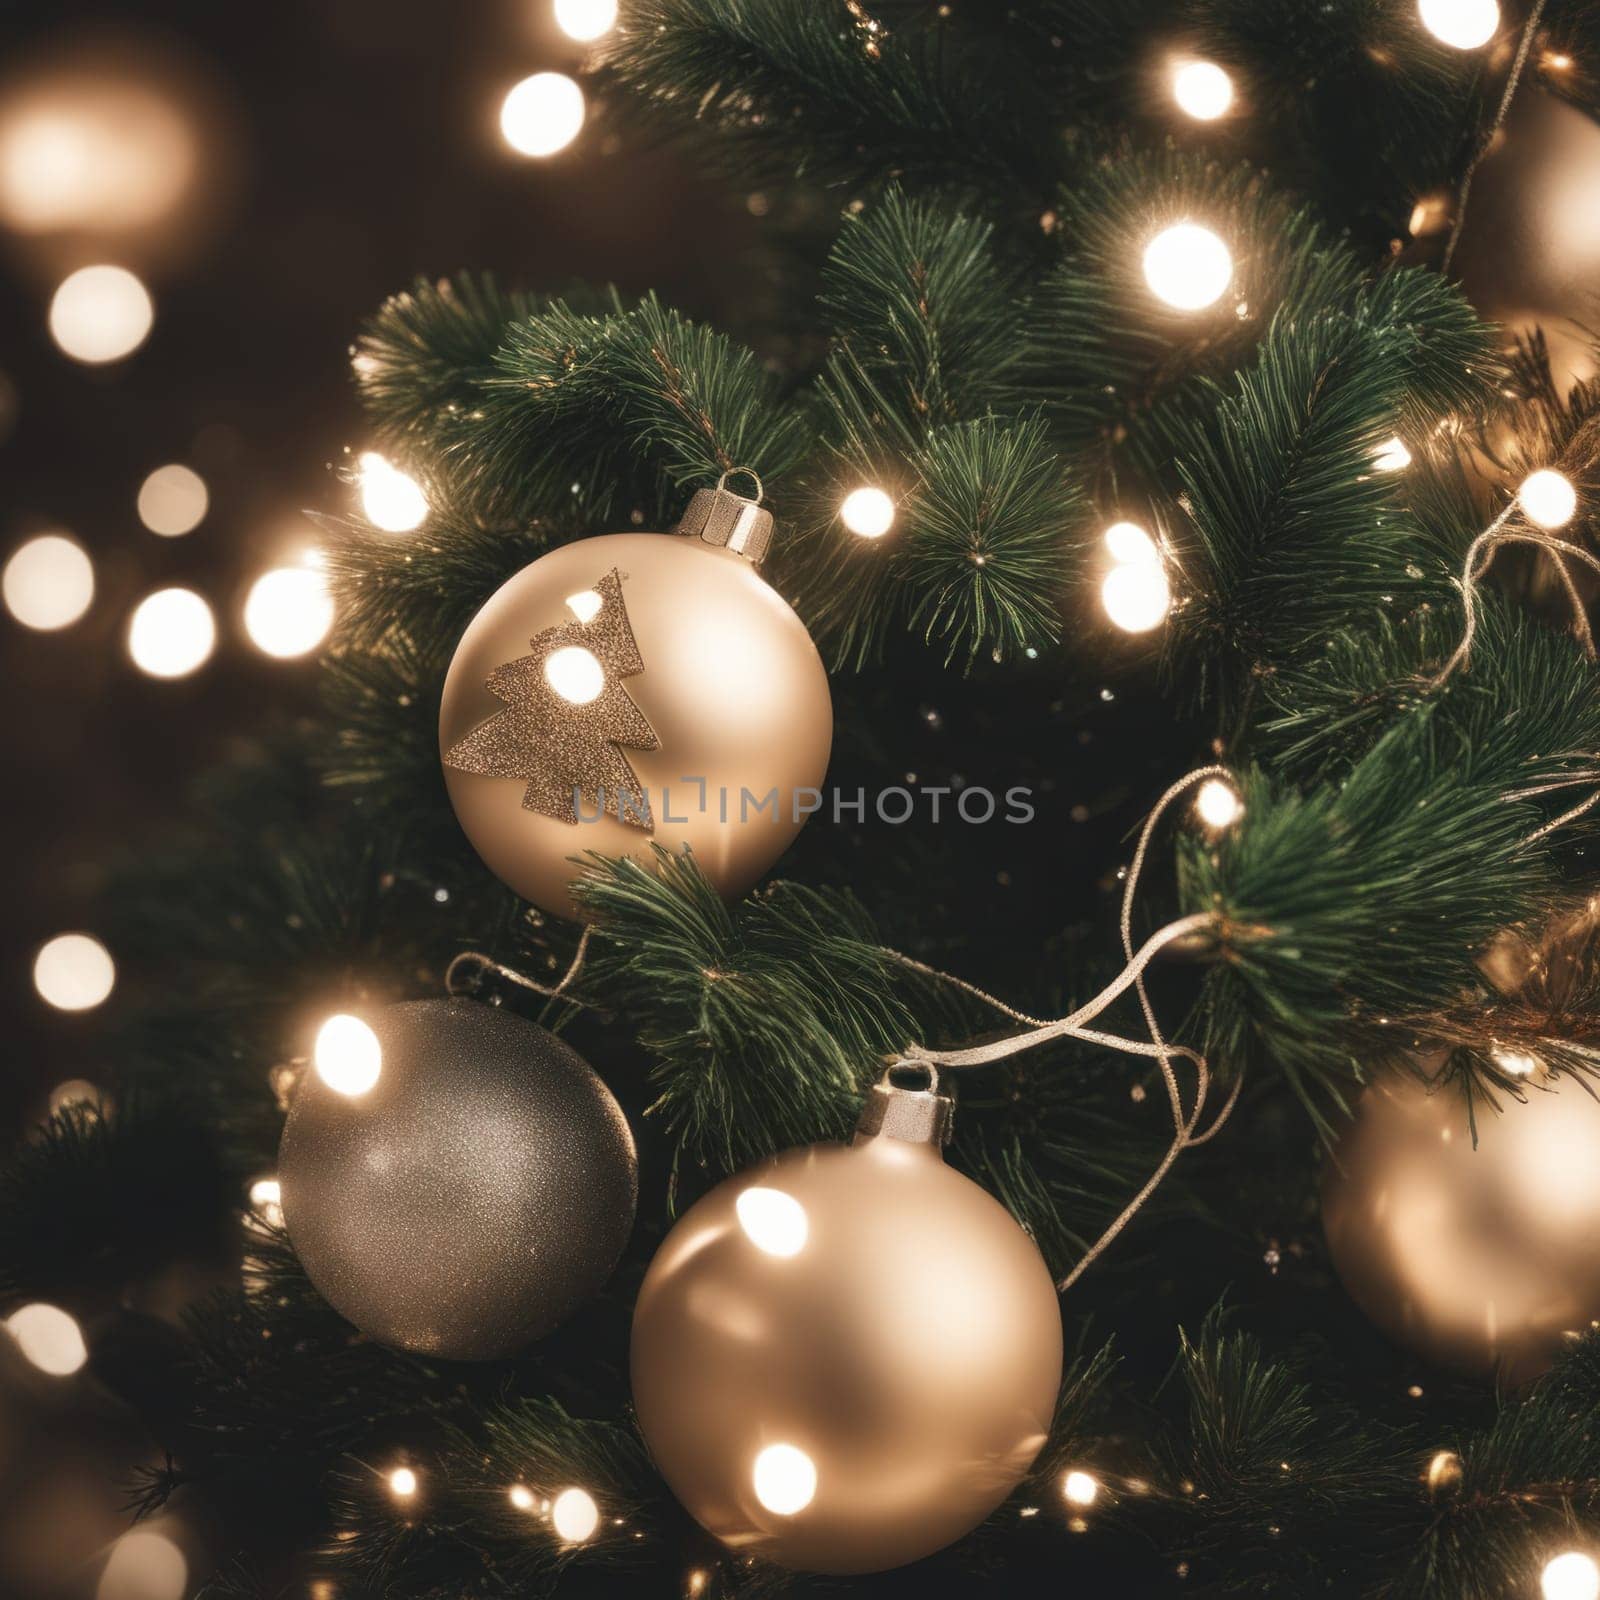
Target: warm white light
x,y
75,1094
521,1497
785,1479
585,606
172,633
391,499
1187,266
1518,1063
542,114
1127,541
867,511
1392,457
773,1221
575,674
403,1482
347,1054
266,1200
1137,596
1217,804
48,582
144,1565
574,1515
49,1338
1202,89
1548,498
584,20
173,501
1572,1576
1080,1488
74,972
100,314
1464,24
288,611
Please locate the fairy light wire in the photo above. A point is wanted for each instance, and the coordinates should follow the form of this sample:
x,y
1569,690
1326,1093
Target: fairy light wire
x,y
458,982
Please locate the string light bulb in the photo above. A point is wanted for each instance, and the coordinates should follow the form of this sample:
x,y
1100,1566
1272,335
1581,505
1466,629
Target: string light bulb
x,y
1080,1488
347,1055
402,1483
49,1337
171,633
1392,456
74,972
173,501
1573,1576
1461,24
1516,1063
390,499
288,611
1548,498
48,582
1202,89
584,20
575,1516
785,1479
868,512
542,114
266,1200
521,1497
1136,595
1217,804
1444,1472
100,314
1188,267
1128,542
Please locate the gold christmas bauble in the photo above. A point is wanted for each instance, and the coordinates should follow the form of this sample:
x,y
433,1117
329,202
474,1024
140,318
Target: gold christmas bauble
x,y
632,689
845,1359
1481,1259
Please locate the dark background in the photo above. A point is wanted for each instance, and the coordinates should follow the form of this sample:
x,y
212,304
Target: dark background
x,y
348,146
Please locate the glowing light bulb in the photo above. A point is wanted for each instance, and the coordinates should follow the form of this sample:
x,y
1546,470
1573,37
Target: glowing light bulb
x,y
403,1483
172,632
390,499
173,501
1572,1576
1080,1488
100,314
1462,24
74,972
75,1094
289,611
542,114
1518,1063
266,1199
144,1565
584,20
585,606
867,511
1217,804
521,1497
1392,457
1128,542
1444,1471
347,1054
784,1479
773,1221
1188,267
1202,89
49,1338
574,1515
48,582
1548,498
1136,596
575,674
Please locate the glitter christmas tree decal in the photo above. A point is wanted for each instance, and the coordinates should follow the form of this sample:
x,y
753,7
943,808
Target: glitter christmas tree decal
x,y
567,714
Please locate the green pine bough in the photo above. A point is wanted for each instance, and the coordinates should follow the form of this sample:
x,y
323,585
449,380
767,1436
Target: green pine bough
x,y
978,342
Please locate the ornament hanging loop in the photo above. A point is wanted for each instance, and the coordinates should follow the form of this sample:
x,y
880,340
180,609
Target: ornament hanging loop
x,y
743,472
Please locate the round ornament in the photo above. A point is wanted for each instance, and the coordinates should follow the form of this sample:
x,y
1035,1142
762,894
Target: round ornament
x,y
846,1358
637,688
467,1185
1480,1259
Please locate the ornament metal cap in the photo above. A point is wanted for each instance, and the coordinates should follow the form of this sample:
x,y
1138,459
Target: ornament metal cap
x,y
918,1116
719,516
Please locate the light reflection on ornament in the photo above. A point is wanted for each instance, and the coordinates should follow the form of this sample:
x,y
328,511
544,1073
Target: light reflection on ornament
x,y
585,606
773,1221
347,1054
1548,498
49,1337
575,674
173,501
172,632
1516,1062
574,1515
1202,89
74,972
1136,596
784,1478
100,314
1573,1576
868,512
1080,1488
1188,267
390,499
48,582
542,114
1461,24
144,1565
584,20
289,611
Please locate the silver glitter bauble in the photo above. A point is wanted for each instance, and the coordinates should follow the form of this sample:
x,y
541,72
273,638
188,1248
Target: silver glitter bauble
x,y
473,1197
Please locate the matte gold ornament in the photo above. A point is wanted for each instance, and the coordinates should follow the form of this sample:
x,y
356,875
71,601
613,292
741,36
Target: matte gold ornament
x,y
470,1195
670,696
846,1358
1481,1259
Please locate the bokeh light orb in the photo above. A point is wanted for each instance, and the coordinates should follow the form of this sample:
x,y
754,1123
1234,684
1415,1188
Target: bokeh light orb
x,y
74,972
101,314
49,1337
173,500
172,633
288,611
48,583
542,114
584,20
